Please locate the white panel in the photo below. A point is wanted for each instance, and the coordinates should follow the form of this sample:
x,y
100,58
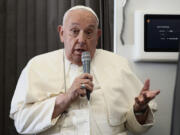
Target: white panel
x,y
138,51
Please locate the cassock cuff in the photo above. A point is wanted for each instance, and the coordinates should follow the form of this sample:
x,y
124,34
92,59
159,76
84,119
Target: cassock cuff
x,y
135,126
49,121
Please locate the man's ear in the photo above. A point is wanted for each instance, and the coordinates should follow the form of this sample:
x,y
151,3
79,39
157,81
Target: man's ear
x,y
60,30
99,33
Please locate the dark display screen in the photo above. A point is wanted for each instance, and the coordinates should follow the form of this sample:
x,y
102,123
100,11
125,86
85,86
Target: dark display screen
x,y
162,33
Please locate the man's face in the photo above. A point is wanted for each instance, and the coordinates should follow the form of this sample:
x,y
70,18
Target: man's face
x,y
79,33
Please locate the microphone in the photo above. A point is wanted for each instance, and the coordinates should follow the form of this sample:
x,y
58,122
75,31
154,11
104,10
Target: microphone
x,y
86,59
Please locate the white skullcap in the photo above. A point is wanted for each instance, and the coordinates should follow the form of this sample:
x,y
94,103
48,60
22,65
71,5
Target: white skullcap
x,y
80,7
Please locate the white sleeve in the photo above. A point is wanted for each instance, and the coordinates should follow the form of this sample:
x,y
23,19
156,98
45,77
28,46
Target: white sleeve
x,y
134,84
30,118
35,118
134,126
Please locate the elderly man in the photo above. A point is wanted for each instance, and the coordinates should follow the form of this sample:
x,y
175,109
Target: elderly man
x,y
49,98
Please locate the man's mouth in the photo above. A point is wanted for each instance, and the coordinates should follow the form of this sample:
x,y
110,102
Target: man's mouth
x,y
79,51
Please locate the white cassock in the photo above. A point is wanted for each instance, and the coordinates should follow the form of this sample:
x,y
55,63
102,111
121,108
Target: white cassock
x,y
110,110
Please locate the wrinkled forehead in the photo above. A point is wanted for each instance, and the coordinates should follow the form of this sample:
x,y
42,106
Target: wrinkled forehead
x,y
80,16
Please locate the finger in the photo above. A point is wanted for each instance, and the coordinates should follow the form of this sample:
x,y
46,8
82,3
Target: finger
x,y
137,100
151,94
139,105
140,100
87,81
82,92
86,76
146,85
147,97
88,87
157,92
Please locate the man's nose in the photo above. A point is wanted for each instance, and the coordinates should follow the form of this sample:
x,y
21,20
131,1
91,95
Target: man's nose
x,y
82,37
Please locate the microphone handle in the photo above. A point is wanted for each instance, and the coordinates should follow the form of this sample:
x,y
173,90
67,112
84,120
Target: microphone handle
x,y
86,68
88,94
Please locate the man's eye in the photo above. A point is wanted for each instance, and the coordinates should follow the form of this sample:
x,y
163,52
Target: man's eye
x,y
89,32
75,31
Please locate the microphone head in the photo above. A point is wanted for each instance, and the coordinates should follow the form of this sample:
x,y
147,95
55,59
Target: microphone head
x,y
85,56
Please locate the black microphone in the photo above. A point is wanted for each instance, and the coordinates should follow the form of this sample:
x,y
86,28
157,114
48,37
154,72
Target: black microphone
x,y
86,60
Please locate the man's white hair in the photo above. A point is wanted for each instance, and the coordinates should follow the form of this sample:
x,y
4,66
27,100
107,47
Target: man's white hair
x,y
80,7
